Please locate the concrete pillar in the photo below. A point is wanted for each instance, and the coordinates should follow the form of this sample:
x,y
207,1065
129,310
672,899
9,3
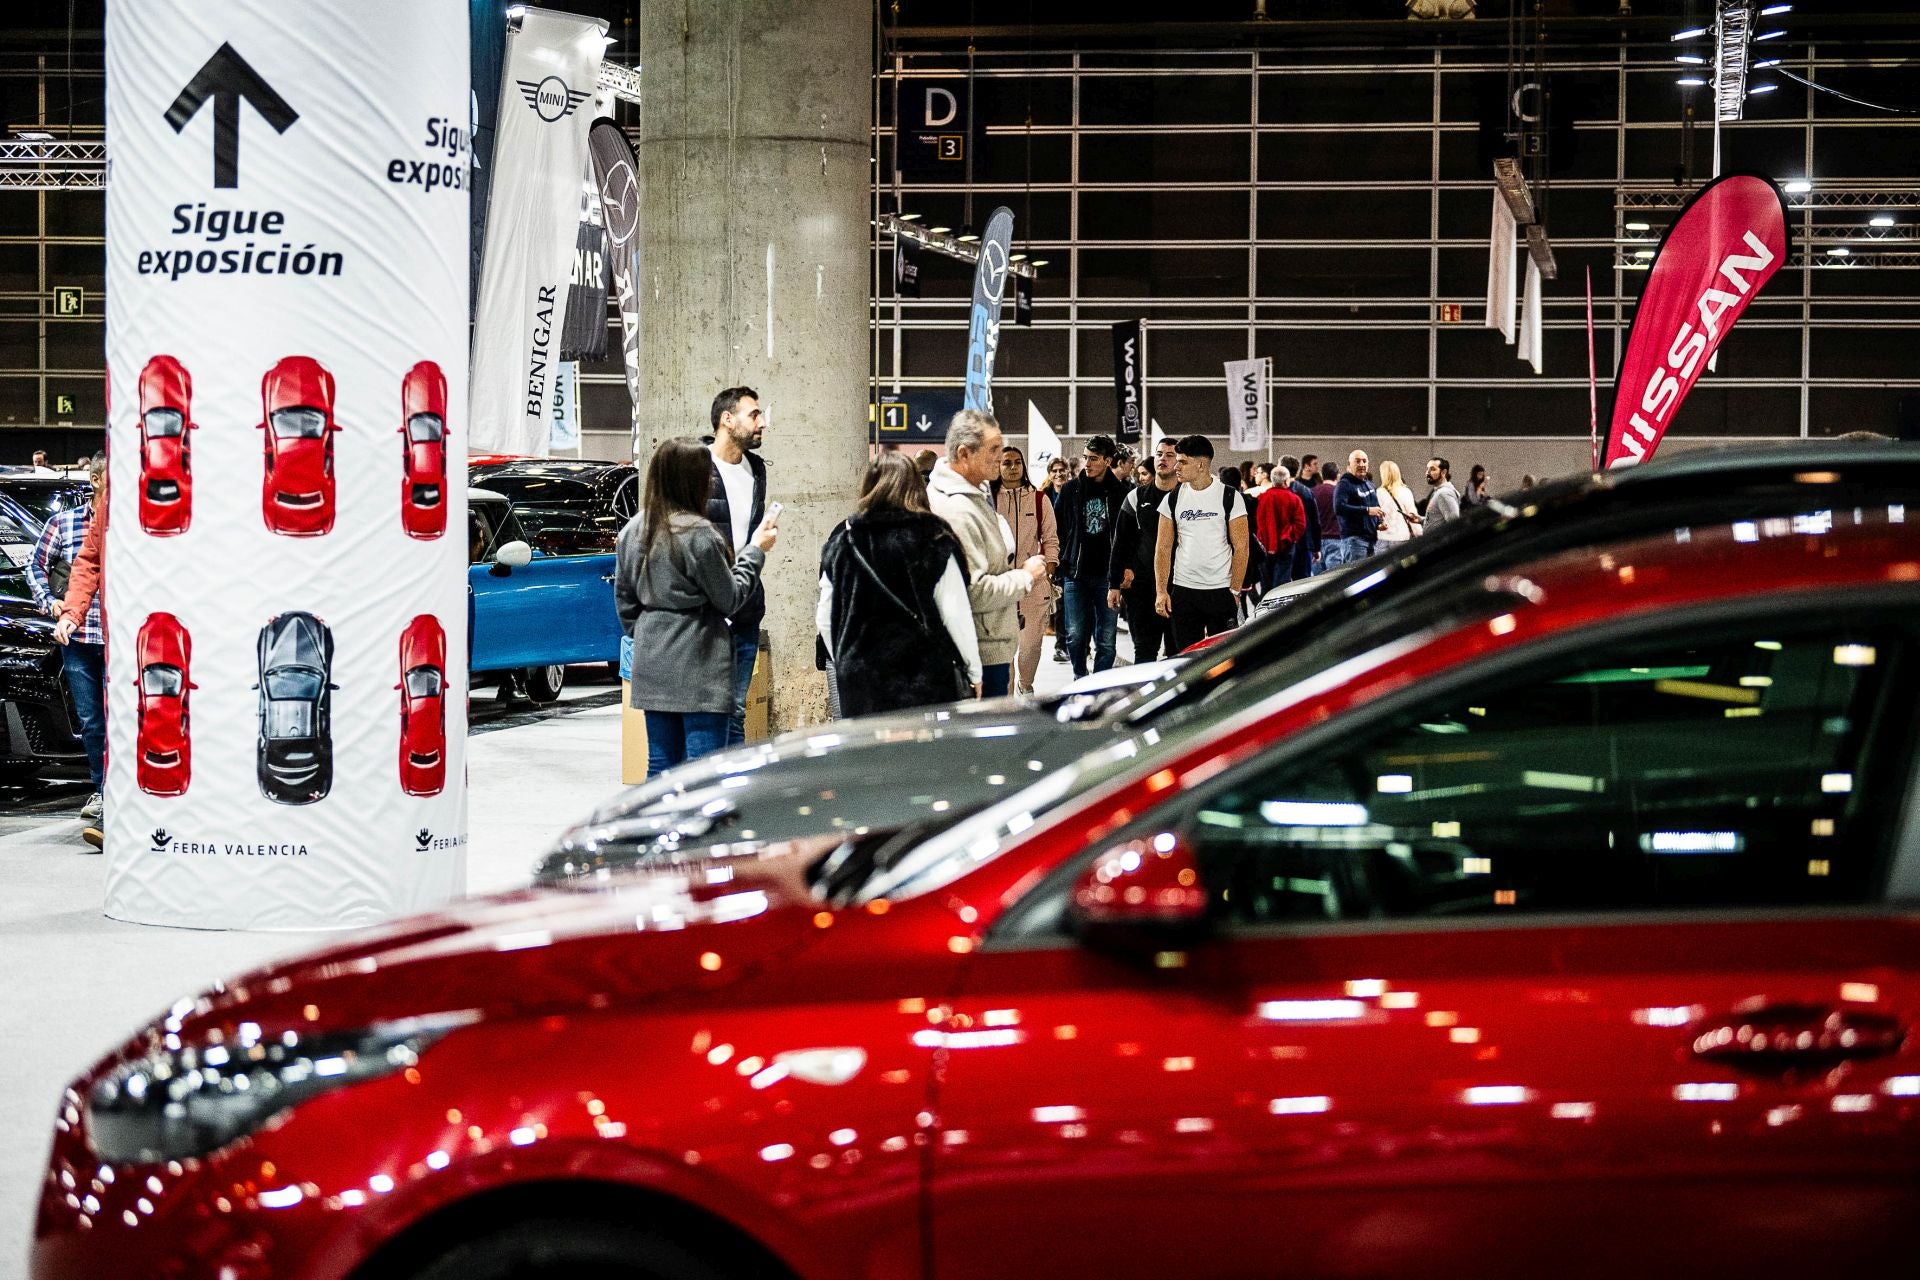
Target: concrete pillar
x,y
754,143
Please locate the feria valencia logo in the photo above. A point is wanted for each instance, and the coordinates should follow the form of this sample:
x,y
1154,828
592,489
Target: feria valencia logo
x,y
551,99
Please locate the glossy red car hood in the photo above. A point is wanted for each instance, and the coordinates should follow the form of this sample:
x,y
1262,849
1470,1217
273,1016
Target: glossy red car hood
x,y
527,953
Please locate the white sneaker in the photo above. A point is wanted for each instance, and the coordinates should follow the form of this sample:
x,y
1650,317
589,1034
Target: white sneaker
x,y
95,805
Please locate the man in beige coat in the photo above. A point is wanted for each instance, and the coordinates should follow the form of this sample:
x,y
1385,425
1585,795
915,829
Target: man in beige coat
x,y
957,491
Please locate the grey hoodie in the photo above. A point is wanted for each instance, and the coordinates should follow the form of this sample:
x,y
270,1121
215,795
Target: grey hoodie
x,y
994,589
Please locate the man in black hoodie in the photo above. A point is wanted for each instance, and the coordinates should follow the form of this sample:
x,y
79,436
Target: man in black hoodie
x,y
1136,536
1088,507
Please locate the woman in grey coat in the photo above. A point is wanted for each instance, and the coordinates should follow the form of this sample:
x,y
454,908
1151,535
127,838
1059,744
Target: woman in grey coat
x,y
674,587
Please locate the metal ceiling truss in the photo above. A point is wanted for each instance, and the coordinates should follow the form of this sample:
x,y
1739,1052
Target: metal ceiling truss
x,y
1824,219
1732,56
43,164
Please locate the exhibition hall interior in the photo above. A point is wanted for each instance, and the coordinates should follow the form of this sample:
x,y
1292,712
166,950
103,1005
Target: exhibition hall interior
x,y
812,639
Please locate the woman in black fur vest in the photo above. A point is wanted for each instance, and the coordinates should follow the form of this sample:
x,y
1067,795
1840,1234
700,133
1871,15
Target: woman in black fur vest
x,y
893,610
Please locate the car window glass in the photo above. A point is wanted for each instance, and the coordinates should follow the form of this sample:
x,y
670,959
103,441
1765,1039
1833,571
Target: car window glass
x,y
299,424
293,683
423,682
566,533
1646,775
161,681
289,719
424,427
164,422
480,524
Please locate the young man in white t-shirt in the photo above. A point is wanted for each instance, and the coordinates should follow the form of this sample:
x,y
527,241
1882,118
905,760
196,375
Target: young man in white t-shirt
x,y
1202,554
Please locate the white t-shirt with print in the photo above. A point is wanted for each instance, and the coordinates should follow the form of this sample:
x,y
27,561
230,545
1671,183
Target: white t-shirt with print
x,y
738,479
1203,545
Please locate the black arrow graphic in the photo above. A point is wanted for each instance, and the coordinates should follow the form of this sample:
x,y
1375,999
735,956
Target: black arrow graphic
x,y
226,79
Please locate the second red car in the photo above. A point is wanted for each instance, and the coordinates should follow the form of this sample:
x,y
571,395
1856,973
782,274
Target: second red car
x,y
423,428
423,707
163,653
296,496
166,462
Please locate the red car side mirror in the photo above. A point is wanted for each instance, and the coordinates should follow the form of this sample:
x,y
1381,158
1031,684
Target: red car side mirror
x,y
1142,896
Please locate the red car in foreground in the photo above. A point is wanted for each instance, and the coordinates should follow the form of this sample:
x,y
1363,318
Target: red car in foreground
x,y
163,654
166,447
423,431
297,494
1562,926
423,707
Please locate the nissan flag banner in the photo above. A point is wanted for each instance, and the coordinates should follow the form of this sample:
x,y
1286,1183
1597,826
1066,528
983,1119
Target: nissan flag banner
x,y
1129,359
287,718
989,287
617,174
1252,430
533,213
1722,249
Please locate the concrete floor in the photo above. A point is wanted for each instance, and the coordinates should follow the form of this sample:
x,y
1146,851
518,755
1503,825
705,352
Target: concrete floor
x,y
74,983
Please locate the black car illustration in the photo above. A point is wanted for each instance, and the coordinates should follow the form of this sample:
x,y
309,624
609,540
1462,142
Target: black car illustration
x,y
296,709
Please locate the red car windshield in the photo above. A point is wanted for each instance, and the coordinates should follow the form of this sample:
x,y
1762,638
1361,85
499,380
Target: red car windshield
x,y
424,428
300,423
423,682
161,681
163,423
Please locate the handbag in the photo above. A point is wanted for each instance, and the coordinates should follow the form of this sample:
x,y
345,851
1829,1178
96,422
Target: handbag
x,y
963,683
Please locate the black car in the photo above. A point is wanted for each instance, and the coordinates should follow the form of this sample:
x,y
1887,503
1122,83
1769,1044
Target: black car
x,y
567,507
296,709
38,725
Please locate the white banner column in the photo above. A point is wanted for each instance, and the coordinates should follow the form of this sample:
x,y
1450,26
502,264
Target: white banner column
x,y
285,573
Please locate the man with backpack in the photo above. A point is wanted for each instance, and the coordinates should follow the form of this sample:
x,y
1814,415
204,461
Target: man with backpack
x,y
1136,539
1201,558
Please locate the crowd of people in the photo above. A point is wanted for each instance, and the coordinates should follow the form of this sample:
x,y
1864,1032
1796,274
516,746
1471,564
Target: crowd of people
x,y
943,582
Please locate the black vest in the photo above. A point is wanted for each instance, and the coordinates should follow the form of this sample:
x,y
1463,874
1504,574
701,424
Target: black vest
x,y
887,657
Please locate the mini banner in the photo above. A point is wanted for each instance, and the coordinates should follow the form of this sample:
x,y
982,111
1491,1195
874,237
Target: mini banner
x,y
533,210
285,583
617,174
1129,361
1501,295
989,288
585,334
1722,249
1252,431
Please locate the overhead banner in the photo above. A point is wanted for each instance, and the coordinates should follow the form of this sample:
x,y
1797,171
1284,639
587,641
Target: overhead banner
x,y
934,131
617,175
1722,249
584,336
1501,294
287,280
1252,429
989,288
533,211
1129,376
566,409
1532,338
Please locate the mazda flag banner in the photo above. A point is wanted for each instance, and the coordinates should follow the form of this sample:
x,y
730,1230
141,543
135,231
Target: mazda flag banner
x,y
585,334
617,175
1252,428
1722,249
1129,377
287,281
533,210
989,288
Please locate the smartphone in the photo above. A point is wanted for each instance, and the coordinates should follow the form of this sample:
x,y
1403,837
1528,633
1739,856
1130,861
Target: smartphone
x,y
773,510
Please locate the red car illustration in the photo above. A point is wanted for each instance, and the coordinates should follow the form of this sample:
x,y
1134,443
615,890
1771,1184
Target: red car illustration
x,y
298,429
164,654
423,708
423,428
166,462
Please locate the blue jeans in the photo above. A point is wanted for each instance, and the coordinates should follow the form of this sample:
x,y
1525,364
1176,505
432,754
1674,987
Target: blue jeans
x,y
86,667
675,737
746,647
1089,621
1333,554
1355,550
995,678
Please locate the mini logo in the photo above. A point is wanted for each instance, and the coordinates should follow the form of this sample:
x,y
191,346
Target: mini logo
x,y
161,840
423,838
551,99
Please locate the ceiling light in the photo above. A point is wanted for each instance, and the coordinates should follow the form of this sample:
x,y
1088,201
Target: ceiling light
x,y
1768,62
1690,82
969,237
1762,88
1643,253
1769,35
1691,33
1691,59
1799,186
1839,251
1639,226
1772,9
1039,262
939,231
909,217
1016,257
1880,220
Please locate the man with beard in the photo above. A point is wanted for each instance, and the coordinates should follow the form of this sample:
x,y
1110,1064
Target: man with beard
x,y
1135,536
736,505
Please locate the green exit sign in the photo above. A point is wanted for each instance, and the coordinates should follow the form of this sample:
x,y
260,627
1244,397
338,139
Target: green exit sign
x,y
69,300
63,406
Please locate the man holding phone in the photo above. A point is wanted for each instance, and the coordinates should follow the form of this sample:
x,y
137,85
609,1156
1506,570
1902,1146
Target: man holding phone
x,y
736,505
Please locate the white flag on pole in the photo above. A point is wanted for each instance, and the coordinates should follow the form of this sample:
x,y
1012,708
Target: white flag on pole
x,y
1501,298
1153,445
1531,339
1043,446
1251,430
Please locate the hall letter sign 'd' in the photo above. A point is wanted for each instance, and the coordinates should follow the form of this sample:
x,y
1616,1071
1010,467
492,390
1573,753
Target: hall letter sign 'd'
x,y
1722,249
